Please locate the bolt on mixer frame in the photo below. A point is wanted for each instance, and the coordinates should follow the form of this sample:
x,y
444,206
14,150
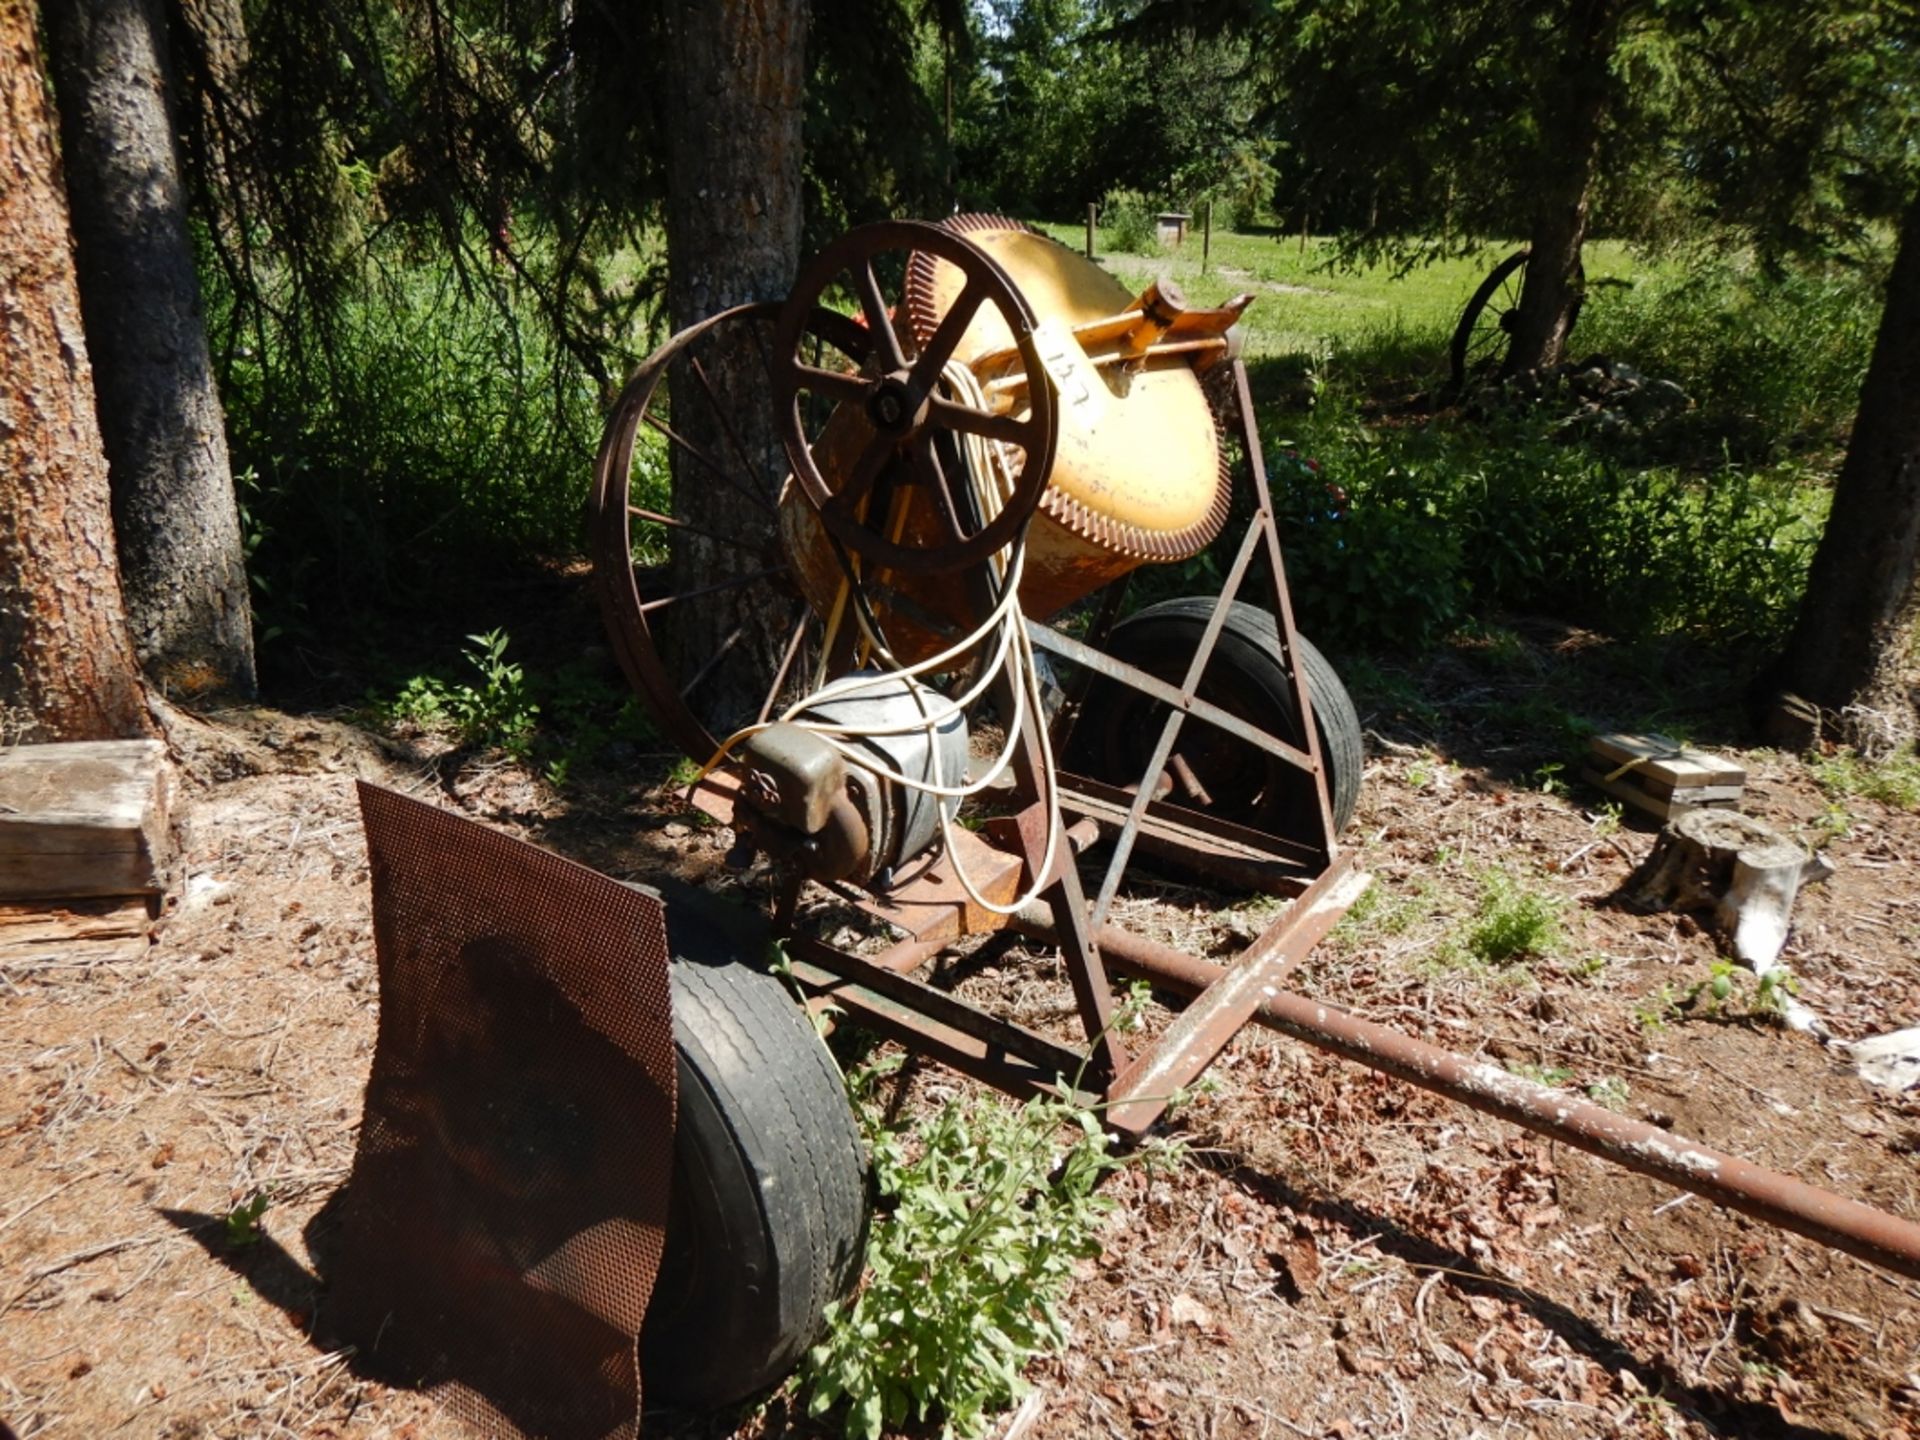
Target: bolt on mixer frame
x,y
813,483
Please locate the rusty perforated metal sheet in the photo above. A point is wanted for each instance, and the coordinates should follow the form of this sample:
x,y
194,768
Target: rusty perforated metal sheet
x,y
504,1220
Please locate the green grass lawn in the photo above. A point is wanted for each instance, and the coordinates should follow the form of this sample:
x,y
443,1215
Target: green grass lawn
x,y
1308,305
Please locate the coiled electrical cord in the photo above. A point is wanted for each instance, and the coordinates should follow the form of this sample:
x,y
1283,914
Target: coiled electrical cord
x,y
990,475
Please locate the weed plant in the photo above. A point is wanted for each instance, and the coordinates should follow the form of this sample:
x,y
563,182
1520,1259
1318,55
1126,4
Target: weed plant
x,y
1723,994
561,719
1894,781
1511,922
1611,1091
493,706
986,1209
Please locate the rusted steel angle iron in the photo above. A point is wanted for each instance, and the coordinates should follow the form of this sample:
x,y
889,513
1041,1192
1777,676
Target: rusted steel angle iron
x,y
1067,648
1199,1033
1873,1235
965,1036
1178,830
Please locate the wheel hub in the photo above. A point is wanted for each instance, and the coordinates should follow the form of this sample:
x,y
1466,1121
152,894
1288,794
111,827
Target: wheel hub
x,y
894,407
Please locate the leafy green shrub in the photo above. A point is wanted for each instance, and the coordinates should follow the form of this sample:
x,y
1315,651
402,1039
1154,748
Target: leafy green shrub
x,y
1129,224
1446,522
496,708
1383,570
1512,922
986,1212
1787,350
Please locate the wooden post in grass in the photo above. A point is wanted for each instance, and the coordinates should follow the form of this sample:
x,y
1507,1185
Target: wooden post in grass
x,y
1206,235
1092,211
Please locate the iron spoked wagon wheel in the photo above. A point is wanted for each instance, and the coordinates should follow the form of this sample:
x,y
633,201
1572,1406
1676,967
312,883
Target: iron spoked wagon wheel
x,y
673,427
1485,331
1212,771
895,426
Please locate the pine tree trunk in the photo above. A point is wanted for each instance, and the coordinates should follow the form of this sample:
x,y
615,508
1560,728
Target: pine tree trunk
x,y
1849,644
67,670
1571,113
733,236
1544,317
182,565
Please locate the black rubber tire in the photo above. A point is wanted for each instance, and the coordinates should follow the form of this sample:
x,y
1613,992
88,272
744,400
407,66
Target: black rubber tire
x,y
1245,677
1461,364
769,1212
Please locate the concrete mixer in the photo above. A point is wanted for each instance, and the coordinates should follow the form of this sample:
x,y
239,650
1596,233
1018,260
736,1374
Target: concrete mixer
x,y
971,420
906,509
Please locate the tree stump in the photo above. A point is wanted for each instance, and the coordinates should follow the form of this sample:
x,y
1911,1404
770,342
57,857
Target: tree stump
x,y
1742,869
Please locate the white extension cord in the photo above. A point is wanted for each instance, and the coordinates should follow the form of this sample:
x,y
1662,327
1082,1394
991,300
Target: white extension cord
x,y
991,475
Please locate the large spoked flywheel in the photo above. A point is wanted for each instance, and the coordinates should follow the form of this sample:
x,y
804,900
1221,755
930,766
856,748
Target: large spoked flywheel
x,y
687,420
885,470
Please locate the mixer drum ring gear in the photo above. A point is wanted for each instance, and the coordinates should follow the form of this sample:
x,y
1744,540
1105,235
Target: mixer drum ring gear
x,y
1245,676
1058,281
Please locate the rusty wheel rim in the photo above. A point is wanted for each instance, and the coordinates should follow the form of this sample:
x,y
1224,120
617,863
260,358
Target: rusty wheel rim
x,y
903,427
632,521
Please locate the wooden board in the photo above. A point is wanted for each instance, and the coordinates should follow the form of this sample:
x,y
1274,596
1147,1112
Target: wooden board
x,y
1677,802
83,819
72,937
1664,766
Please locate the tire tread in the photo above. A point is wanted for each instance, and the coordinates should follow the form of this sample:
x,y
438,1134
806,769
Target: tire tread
x,y
1335,719
780,1096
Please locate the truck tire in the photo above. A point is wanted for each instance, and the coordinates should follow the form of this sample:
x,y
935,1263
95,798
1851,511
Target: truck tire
x,y
1118,726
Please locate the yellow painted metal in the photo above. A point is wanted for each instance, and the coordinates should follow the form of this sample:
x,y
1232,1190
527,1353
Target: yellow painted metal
x,y
1138,475
1138,449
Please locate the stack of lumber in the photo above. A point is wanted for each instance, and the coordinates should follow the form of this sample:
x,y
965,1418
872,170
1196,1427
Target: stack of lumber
x,y
84,843
1661,776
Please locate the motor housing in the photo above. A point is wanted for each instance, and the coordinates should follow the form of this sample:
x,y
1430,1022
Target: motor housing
x,y
835,809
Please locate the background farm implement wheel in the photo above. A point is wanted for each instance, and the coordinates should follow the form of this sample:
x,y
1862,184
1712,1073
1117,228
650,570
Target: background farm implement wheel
x,y
768,1219
1119,727
1481,339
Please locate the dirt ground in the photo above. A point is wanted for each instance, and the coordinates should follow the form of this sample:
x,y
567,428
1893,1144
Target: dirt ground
x,y
1343,1255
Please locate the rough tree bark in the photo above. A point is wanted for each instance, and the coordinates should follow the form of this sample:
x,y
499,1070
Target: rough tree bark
x,y
182,565
1571,112
1850,642
67,670
733,236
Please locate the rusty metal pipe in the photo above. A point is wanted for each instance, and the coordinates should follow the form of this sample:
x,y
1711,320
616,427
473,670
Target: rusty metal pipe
x,y
1873,1235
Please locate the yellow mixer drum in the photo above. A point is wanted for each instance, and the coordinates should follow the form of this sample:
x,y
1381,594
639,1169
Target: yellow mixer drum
x,y
1138,476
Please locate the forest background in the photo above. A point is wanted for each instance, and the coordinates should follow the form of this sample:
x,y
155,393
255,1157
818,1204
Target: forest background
x,y
429,241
